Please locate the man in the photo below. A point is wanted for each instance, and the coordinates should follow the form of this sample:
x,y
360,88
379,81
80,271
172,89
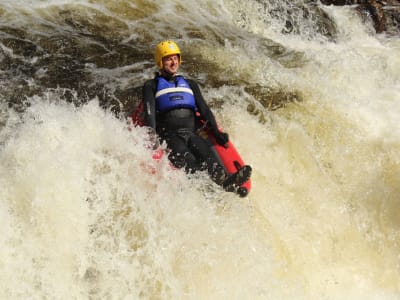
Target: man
x,y
170,105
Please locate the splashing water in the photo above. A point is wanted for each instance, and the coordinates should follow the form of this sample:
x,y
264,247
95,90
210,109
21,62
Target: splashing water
x,y
310,97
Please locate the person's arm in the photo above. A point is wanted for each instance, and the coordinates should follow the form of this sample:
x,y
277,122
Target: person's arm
x,y
202,106
149,101
221,137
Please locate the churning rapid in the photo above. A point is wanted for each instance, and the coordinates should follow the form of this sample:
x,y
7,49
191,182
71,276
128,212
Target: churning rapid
x,y
310,96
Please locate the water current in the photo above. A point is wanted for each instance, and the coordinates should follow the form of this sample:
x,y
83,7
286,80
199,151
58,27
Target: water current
x,y
310,96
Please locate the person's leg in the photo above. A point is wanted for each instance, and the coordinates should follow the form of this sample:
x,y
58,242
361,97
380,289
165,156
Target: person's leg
x,y
237,179
204,153
180,155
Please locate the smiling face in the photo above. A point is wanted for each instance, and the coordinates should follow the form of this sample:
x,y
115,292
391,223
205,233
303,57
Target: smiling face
x,y
171,64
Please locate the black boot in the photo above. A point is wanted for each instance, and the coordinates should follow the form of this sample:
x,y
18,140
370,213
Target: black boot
x,y
218,174
235,180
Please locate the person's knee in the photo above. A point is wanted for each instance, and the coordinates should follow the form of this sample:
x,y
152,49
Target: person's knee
x,y
185,160
177,159
192,164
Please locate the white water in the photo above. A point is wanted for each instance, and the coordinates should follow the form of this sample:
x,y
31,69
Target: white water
x,y
83,219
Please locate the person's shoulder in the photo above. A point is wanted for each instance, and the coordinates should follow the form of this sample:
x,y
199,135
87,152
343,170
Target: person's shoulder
x,y
150,83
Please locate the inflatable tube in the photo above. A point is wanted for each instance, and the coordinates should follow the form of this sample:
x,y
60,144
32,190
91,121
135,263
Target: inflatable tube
x,y
227,155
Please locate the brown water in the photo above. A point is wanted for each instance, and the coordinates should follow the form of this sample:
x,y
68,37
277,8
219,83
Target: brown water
x,y
309,95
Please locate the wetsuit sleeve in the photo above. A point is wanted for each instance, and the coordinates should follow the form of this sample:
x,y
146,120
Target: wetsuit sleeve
x,y
202,106
149,101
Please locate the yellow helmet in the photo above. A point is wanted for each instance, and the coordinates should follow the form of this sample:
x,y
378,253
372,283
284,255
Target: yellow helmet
x,y
166,48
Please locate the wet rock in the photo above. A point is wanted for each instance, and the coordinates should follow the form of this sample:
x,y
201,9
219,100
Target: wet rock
x,y
273,98
298,13
337,2
286,57
268,98
385,15
33,64
62,71
324,24
20,46
374,10
94,22
392,14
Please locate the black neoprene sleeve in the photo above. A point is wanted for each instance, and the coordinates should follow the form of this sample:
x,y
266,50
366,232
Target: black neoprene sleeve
x,y
202,106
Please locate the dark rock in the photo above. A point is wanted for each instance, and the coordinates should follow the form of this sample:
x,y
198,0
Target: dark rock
x,y
374,10
338,2
385,15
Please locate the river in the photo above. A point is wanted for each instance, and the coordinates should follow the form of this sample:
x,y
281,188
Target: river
x,y
310,96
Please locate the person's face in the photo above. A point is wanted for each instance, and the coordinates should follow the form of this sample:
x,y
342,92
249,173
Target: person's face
x,y
171,63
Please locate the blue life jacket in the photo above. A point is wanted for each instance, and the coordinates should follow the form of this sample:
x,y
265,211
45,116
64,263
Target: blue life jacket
x,y
171,95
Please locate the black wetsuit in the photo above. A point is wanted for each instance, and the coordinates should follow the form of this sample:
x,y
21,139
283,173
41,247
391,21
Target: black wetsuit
x,y
178,128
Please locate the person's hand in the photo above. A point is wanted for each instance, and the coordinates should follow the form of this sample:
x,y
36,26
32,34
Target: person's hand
x,y
221,137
